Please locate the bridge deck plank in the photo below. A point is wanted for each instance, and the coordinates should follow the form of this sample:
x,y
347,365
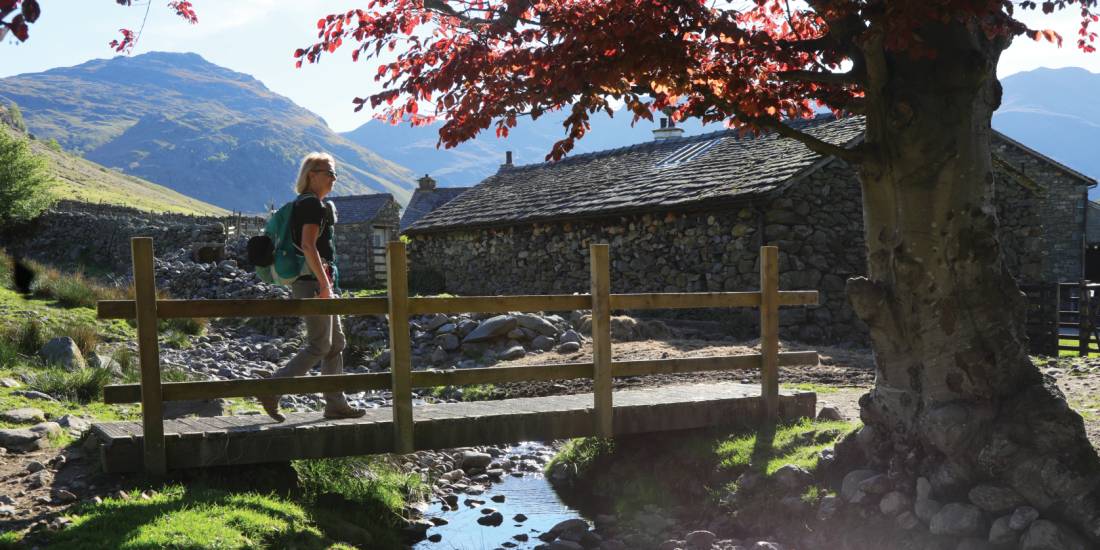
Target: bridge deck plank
x,y
245,439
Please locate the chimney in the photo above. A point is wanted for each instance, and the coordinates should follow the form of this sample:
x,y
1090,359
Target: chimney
x,y
426,183
507,160
668,130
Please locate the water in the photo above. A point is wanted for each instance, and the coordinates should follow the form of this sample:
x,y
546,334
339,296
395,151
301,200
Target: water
x,y
530,495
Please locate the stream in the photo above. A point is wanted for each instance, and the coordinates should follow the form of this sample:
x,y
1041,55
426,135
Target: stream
x,y
530,495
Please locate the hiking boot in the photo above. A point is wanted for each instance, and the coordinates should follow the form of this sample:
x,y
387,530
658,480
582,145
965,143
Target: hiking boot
x,y
346,411
271,407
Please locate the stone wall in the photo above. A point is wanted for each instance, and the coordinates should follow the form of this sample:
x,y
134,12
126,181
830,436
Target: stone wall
x,y
1093,220
1062,209
72,234
816,223
356,255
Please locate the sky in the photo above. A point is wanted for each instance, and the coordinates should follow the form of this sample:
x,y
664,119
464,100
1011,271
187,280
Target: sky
x,y
258,37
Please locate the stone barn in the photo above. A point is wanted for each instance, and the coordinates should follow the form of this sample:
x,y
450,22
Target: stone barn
x,y
689,214
364,224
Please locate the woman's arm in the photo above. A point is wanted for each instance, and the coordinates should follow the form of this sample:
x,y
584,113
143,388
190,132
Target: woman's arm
x,y
310,231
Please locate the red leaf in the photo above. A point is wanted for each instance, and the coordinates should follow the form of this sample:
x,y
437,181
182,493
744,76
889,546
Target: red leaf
x,y
31,10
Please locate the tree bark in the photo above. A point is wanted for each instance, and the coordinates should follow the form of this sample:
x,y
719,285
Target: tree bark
x,y
956,397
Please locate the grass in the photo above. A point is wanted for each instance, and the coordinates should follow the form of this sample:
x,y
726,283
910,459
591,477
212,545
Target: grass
x,y
70,289
57,409
183,517
369,492
819,389
1094,351
766,452
1088,408
473,392
80,386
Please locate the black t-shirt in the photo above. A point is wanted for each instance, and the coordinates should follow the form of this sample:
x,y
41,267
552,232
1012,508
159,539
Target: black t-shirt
x,y
310,210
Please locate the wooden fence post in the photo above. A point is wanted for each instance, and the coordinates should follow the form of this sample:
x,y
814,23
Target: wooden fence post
x,y
397,284
1084,319
152,405
601,339
769,331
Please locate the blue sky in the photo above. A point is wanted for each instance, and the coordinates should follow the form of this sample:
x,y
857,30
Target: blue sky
x,y
258,37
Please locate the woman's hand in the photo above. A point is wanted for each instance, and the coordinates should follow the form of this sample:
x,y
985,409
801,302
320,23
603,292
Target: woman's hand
x,y
325,292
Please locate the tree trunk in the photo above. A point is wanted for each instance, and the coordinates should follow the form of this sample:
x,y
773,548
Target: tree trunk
x,y
956,398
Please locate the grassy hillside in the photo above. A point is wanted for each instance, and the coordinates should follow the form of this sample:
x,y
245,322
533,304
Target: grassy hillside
x,y
82,180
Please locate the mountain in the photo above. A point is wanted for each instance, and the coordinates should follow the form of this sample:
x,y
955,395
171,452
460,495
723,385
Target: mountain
x,y
202,130
530,141
1054,111
82,180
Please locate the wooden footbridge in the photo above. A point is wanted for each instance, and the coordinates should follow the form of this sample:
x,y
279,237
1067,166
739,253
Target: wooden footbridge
x,y
156,444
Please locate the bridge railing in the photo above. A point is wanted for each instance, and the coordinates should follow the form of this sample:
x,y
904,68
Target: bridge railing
x,y
152,392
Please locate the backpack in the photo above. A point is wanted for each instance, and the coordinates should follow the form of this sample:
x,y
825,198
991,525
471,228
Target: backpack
x,y
277,258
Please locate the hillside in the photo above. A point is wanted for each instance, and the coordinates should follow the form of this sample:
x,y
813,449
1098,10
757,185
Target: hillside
x,y
82,180
1054,112
199,129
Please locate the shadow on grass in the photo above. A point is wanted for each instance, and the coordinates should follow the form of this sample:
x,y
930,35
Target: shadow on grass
x,y
191,518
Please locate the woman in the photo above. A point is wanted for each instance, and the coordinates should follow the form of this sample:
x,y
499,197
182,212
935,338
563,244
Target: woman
x,y
311,224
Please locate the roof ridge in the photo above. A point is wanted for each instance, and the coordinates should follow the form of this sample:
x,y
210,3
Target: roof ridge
x,y
821,117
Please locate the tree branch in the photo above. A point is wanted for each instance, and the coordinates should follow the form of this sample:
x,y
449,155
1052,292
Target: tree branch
x,y
849,78
854,156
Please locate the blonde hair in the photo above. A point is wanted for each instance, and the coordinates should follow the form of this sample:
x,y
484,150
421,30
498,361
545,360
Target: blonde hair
x,y
309,163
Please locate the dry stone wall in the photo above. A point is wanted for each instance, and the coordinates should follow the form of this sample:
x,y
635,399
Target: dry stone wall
x,y
817,223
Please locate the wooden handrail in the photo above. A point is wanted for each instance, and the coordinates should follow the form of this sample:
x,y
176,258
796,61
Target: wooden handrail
x,y
212,389
152,392
175,309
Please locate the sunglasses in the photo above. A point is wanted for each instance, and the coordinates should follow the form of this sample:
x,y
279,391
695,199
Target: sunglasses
x,y
327,171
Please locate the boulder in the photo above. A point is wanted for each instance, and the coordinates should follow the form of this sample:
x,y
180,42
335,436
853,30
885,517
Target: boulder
x,y
491,328
435,322
22,440
493,520
473,459
1002,534
849,488
26,415
700,539
62,351
1021,518
569,347
542,343
829,413
449,342
513,352
995,500
571,336
792,477
536,323
100,361
1047,535
894,503
958,520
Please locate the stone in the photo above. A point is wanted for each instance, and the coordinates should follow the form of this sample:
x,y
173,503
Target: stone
x,y
927,508
472,459
492,520
995,500
875,485
849,488
1022,518
63,351
446,329
542,343
31,394
517,334
22,440
438,355
957,520
569,347
9,383
974,543
1047,535
571,336
194,407
574,524
565,545
829,414
491,328
497,498
438,521
435,537
63,496
449,342
894,503
536,323
514,352
1002,534
907,520
26,415
519,518
792,477
100,361
924,489
827,507
436,321
700,539
34,466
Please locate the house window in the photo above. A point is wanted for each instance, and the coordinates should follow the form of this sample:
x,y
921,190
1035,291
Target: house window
x,y
379,237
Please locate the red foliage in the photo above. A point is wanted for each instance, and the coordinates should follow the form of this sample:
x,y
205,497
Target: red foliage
x,y
29,11
488,62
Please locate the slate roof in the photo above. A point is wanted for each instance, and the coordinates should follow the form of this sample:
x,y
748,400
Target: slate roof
x,y
359,208
639,178
425,201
